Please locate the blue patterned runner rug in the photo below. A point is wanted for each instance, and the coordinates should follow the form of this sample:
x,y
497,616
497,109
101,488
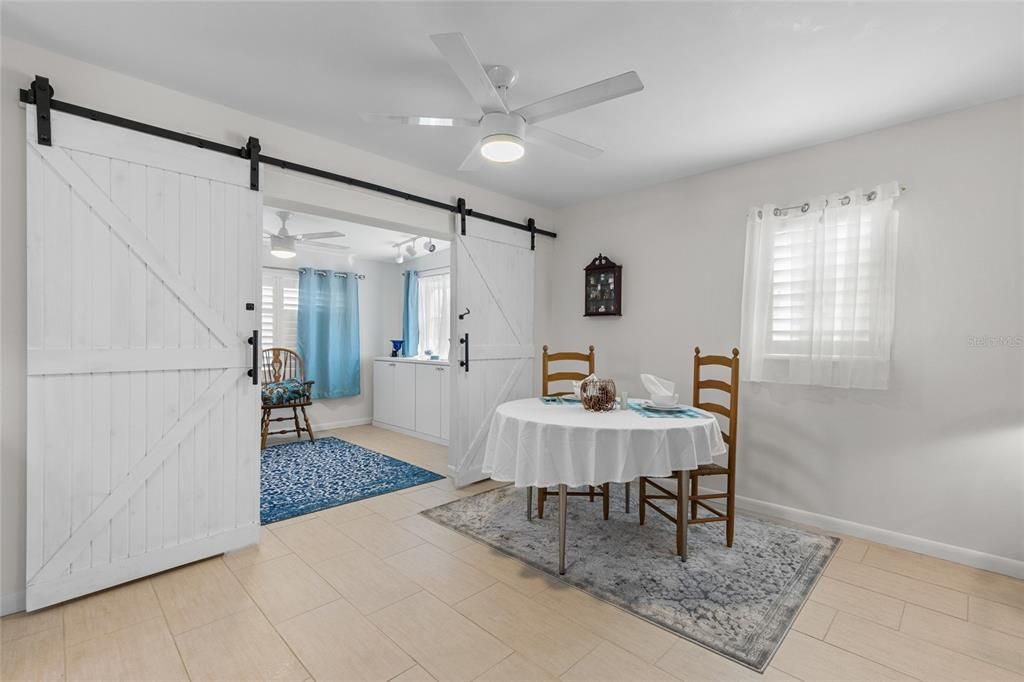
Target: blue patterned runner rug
x,y
303,477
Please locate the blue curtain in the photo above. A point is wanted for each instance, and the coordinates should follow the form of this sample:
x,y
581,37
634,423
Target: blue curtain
x,y
328,331
411,314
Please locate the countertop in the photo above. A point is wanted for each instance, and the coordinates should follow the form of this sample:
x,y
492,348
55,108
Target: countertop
x,y
417,361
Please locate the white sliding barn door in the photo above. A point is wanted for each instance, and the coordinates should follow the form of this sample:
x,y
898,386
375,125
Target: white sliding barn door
x,y
493,278
142,424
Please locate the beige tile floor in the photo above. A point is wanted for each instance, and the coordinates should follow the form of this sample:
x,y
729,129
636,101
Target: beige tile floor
x,y
371,591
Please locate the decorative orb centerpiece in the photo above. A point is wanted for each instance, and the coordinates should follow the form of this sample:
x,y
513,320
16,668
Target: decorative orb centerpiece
x,y
598,395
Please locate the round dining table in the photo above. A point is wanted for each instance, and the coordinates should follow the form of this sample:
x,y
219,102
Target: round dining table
x,y
539,442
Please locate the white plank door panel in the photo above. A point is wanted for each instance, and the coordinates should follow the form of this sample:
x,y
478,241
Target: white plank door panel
x,y
142,424
493,278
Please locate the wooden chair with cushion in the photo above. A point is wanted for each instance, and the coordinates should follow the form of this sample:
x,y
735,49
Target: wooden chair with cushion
x,y
285,388
697,501
547,378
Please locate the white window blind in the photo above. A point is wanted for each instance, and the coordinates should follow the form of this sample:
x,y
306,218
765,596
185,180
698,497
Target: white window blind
x,y
819,290
280,312
434,313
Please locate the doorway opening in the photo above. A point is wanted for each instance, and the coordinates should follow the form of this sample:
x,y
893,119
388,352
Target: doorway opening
x,y
355,329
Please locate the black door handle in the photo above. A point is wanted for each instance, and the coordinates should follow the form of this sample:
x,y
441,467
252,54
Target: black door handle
x,y
254,341
465,341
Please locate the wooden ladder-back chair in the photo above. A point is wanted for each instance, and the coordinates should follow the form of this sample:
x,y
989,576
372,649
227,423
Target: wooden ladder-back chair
x,y
547,378
698,501
280,364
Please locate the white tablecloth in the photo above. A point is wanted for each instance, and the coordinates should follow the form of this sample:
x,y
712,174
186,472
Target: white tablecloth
x,y
533,444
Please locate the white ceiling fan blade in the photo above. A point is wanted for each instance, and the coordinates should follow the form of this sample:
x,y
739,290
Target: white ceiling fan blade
x,y
434,121
464,62
270,233
589,95
335,247
566,144
473,161
306,236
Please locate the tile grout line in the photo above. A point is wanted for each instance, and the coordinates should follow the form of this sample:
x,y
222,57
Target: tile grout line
x,y
529,598
964,653
177,649
870,589
954,566
847,651
827,629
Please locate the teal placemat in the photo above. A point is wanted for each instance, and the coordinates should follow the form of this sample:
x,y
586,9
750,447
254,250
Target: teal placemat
x,y
688,412
559,400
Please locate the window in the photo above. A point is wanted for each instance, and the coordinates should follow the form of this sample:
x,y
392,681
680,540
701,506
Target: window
x,y
818,294
434,313
280,311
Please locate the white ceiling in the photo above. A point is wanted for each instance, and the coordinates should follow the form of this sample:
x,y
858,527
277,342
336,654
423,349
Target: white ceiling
x,y
365,242
725,82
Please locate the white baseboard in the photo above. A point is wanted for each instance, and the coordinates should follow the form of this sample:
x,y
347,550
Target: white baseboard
x,y
912,543
407,432
12,602
343,424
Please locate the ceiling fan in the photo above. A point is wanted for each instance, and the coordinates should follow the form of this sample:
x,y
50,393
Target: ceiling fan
x,y
504,131
282,242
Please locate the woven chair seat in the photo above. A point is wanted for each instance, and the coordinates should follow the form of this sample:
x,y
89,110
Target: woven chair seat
x,y
710,470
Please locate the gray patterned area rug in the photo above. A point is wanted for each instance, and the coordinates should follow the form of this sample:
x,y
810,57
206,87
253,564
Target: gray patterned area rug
x,y
739,602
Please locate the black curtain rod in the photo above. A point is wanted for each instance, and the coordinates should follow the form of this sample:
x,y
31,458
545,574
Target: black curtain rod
x,y
42,86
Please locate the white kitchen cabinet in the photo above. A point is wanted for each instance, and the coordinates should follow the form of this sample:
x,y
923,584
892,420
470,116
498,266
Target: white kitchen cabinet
x,y
384,391
405,396
429,380
411,396
445,392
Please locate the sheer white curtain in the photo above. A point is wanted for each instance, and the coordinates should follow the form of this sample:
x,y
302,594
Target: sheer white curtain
x,y
435,313
819,290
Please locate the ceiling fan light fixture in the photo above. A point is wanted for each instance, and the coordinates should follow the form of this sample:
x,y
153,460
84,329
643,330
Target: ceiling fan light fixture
x,y
502,148
282,247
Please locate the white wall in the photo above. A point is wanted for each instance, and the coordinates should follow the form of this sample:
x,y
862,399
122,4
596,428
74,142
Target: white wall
x,y
940,455
98,88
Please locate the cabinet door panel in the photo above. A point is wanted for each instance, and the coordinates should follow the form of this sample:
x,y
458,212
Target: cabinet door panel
x,y
428,394
404,396
445,413
384,391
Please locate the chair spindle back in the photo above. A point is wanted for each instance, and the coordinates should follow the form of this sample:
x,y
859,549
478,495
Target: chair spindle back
x,y
731,388
280,364
547,376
